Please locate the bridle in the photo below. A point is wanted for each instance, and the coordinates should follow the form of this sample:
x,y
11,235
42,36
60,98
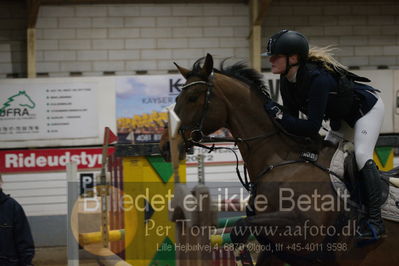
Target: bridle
x,y
197,136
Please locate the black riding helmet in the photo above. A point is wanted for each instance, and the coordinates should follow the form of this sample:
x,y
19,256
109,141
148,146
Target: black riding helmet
x,y
288,42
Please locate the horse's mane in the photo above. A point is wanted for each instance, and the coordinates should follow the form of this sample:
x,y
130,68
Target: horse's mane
x,y
254,80
240,71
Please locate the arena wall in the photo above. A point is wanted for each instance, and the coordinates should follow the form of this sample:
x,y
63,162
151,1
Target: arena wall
x,y
94,40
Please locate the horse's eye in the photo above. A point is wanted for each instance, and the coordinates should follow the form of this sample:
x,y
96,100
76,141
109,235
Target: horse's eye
x,y
192,99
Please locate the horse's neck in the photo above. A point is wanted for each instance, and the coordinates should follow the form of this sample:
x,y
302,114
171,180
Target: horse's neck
x,y
268,149
248,119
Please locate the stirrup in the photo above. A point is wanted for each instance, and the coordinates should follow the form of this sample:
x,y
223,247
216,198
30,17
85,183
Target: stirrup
x,y
365,239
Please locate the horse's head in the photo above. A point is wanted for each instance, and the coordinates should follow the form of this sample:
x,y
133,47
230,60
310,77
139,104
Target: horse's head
x,y
198,106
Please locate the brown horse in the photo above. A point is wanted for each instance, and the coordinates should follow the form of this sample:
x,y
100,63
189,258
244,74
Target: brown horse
x,y
296,213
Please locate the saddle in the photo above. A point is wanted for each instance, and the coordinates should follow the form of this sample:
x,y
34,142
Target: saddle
x,y
347,178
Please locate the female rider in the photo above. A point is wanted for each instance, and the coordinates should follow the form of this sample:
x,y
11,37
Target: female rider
x,y
313,82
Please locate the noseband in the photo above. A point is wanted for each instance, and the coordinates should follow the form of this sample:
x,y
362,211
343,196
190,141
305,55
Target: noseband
x,y
197,135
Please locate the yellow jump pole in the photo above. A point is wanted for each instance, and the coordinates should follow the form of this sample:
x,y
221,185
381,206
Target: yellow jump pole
x,y
96,237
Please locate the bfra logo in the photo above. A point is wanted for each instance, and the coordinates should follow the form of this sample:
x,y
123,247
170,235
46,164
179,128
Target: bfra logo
x,y
17,105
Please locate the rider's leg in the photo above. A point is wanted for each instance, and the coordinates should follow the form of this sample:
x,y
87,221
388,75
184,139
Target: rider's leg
x,y
371,184
366,134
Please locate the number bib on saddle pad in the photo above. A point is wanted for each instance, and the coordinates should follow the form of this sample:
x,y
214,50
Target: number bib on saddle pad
x,y
390,207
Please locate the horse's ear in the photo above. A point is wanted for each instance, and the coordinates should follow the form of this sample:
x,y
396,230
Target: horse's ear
x,y
182,70
208,65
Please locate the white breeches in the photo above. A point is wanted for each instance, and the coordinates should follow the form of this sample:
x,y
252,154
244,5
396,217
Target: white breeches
x,y
365,133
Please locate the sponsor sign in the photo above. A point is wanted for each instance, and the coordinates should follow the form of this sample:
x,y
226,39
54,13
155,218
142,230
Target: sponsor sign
x,y
140,106
141,103
18,161
34,111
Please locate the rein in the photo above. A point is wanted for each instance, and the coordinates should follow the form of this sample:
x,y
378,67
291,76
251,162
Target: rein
x,y
197,137
244,181
305,157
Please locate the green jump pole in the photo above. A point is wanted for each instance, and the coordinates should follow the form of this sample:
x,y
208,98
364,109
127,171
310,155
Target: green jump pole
x,y
220,240
227,222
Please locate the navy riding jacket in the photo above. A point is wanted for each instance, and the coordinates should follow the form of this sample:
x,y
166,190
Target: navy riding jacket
x,y
16,242
315,94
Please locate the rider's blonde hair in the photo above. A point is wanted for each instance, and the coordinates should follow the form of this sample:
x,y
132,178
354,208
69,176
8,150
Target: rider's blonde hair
x,y
325,56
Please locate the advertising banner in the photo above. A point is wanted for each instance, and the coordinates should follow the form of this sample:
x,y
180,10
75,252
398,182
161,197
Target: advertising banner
x,y
141,102
46,160
140,106
32,111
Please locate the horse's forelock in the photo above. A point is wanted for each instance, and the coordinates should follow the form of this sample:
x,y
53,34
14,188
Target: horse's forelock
x,y
196,69
197,65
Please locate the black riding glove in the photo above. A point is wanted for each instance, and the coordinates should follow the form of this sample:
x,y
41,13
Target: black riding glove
x,y
274,109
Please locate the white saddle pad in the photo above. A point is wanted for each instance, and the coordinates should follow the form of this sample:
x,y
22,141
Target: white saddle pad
x,y
389,210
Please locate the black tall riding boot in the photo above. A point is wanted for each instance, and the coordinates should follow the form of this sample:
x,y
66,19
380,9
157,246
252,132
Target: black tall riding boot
x,y
370,180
